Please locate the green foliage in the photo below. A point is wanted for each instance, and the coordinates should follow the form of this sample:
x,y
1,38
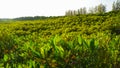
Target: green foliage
x,y
86,41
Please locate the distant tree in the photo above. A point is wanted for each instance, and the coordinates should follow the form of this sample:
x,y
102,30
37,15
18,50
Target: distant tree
x,y
75,12
95,9
84,11
98,9
81,10
116,5
91,10
69,13
113,6
78,11
101,8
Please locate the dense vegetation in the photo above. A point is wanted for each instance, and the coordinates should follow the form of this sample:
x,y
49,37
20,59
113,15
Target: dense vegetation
x,y
80,41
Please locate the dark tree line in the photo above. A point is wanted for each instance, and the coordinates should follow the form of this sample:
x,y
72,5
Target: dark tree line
x,y
31,18
35,18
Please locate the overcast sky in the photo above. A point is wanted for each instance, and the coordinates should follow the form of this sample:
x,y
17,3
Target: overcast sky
x,y
18,8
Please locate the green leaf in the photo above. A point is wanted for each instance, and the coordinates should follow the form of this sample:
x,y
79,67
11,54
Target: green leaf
x,y
70,45
85,43
36,53
1,65
56,40
61,50
31,64
20,66
6,58
92,44
80,40
42,52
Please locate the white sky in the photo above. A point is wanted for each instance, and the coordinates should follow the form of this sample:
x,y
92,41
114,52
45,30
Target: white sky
x,y
18,8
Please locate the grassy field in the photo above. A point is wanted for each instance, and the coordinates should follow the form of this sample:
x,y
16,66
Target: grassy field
x,y
80,41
